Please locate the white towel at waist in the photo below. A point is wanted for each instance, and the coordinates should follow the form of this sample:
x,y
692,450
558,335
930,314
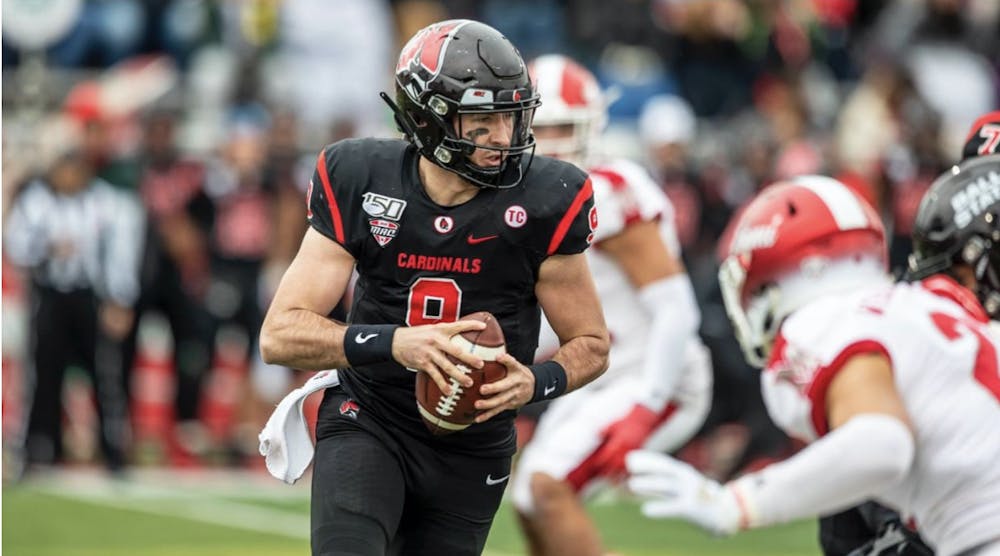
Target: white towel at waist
x,y
285,442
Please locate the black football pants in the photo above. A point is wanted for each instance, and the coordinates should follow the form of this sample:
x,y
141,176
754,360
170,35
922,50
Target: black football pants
x,y
64,332
376,493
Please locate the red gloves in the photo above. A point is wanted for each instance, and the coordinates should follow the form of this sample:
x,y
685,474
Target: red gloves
x,y
621,437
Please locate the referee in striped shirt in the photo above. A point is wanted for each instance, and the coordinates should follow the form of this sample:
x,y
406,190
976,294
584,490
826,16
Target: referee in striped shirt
x,y
80,240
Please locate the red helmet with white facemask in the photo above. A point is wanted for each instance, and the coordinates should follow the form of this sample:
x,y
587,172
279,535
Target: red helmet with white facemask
x,y
570,97
796,241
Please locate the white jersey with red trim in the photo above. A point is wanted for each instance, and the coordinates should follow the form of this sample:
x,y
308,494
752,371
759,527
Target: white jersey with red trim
x,y
625,194
944,361
572,430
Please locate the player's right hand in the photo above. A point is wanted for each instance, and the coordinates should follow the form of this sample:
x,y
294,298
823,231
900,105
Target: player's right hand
x,y
675,489
425,349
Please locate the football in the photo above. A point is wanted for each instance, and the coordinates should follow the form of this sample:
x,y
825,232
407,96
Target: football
x,y
447,414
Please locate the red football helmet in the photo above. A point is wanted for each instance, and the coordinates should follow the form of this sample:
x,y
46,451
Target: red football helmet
x,y
797,240
572,97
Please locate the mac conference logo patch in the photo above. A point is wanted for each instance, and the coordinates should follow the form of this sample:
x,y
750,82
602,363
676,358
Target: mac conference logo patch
x,y
385,213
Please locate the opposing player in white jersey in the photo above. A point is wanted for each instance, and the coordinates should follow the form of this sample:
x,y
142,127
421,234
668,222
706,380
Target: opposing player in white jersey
x,y
657,391
895,386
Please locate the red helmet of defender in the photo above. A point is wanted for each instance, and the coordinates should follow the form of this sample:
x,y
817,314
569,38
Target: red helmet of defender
x,y
570,97
796,241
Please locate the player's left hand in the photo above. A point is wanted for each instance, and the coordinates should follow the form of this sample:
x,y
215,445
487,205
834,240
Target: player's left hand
x,y
621,437
675,489
511,392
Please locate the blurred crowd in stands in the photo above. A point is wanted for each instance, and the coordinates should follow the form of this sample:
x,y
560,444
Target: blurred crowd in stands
x,y
210,114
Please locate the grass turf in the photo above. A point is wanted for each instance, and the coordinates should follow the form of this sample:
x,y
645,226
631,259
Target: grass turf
x,y
49,520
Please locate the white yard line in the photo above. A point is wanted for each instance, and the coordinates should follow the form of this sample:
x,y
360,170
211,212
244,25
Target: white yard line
x,y
180,500
191,496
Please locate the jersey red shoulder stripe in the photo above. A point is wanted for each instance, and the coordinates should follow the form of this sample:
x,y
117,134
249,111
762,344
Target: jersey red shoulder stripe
x,y
630,211
338,225
946,287
824,376
567,220
616,180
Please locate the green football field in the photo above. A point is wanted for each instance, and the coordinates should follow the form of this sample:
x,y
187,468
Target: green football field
x,y
222,513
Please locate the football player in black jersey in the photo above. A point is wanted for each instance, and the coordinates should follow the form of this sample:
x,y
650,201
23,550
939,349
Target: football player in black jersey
x,y
459,217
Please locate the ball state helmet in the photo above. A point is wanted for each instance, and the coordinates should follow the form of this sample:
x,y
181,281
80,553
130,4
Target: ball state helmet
x,y
959,222
571,97
462,67
797,240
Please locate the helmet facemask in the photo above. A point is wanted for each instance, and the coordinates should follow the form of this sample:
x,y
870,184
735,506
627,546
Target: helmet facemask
x,y
756,325
987,271
462,144
757,316
437,131
981,253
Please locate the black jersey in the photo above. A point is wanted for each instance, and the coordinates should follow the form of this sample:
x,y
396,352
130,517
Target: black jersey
x,y
422,263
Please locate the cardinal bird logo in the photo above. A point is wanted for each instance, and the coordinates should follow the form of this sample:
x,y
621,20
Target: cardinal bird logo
x,y
350,408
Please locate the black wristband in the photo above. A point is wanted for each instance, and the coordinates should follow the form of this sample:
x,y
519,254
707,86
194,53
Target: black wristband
x,y
550,380
368,343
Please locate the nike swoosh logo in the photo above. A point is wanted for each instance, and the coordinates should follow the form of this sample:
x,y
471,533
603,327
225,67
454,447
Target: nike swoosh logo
x,y
477,240
548,390
490,481
362,338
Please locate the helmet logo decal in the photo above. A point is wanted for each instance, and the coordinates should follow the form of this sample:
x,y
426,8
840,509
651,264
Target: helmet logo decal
x,y
975,198
754,237
385,212
990,132
515,216
427,48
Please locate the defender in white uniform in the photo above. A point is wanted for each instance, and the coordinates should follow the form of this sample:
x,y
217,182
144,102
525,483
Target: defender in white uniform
x,y
657,391
895,386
